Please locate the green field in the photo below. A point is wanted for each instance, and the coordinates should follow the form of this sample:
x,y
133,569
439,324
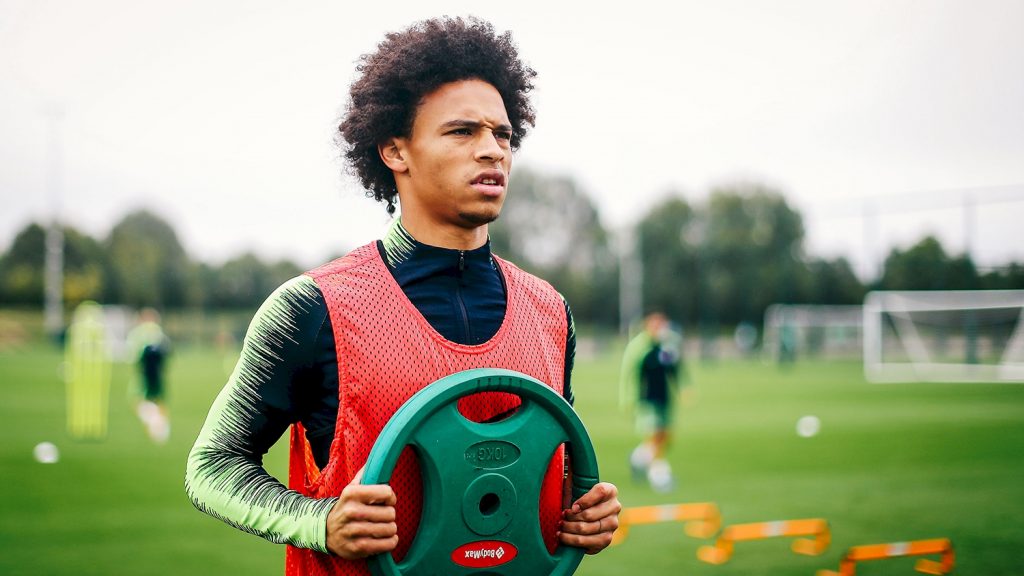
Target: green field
x,y
891,463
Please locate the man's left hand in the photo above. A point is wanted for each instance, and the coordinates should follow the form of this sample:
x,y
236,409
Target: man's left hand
x,y
591,521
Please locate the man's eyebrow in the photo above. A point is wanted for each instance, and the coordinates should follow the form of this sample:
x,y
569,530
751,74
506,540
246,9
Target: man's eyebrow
x,y
472,124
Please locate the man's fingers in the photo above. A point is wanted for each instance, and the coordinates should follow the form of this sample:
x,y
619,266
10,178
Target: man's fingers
x,y
355,512
591,527
372,494
371,530
363,547
602,510
580,528
373,546
601,492
592,544
592,520
357,530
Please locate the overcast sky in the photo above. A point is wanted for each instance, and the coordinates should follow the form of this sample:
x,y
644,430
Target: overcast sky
x,y
220,115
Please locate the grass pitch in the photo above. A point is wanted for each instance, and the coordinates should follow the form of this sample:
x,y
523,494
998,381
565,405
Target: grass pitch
x,y
891,463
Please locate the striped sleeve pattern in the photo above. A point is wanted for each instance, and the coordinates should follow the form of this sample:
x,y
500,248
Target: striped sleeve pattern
x,y
224,476
570,354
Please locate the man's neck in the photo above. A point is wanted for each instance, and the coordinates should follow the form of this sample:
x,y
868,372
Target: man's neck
x,y
399,248
453,237
400,244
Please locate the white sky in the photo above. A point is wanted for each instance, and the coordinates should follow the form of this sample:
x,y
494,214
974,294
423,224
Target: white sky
x,y
220,115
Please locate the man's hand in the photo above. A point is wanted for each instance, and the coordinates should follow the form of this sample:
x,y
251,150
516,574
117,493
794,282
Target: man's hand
x,y
362,521
592,520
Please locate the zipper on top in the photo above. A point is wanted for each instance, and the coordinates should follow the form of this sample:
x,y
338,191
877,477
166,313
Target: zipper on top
x,y
459,300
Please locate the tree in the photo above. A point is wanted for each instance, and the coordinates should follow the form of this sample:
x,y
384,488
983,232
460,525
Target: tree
x,y
833,282
244,281
1008,277
552,228
22,274
725,261
84,265
753,252
670,235
925,266
147,266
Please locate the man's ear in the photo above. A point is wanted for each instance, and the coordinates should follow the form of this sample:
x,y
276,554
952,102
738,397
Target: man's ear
x,y
393,154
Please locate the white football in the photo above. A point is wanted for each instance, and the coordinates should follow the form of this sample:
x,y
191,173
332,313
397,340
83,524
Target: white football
x,y
46,453
808,426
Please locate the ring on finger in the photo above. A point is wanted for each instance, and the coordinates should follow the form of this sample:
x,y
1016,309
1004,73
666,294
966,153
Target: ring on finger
x,y
600,525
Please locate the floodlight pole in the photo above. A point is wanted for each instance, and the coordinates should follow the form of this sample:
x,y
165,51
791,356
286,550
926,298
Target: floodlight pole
x,y
872,267
54,265
631,283
969,230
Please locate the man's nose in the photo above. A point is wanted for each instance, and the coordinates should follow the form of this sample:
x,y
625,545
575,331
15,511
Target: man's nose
x,y
489,148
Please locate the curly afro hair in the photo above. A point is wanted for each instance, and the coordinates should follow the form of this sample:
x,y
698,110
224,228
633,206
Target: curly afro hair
x,y
410,64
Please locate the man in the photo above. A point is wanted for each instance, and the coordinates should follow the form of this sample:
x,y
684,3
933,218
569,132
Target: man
x,y
150,347
650,366
432,122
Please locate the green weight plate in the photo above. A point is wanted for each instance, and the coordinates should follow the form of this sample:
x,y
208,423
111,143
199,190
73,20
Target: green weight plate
x,y
482,481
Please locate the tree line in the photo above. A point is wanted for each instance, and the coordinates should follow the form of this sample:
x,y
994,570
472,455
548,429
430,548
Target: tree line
x,y
717,262
139,263
720,261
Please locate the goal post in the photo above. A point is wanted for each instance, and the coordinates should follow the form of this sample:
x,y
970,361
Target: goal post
x,y
944,336
793,331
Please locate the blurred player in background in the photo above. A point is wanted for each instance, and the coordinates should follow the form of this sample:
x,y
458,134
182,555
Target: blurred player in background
x,y
150,347
651,369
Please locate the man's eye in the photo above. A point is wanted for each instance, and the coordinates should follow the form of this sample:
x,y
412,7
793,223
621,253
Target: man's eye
x,y
462,132
503,135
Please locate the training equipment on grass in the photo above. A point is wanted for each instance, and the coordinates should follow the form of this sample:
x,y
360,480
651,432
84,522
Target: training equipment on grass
x,y
87,373
702,519
482,481
817,528
941,546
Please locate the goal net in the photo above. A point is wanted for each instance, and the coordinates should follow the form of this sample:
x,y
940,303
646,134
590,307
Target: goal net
x,y
944,336
793,331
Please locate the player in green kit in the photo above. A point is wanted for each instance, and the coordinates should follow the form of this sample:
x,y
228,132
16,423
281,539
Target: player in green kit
x,y
151,347
650,371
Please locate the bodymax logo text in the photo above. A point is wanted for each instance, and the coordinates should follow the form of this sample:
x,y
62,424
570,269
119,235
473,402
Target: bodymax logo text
x,y
484,554
491,553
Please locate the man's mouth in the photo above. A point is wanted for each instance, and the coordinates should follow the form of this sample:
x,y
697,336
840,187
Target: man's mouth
x,y
490,178
491,182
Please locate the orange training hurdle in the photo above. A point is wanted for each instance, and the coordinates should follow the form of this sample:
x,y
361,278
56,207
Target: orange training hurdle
x,y
941,546
817,528
702,519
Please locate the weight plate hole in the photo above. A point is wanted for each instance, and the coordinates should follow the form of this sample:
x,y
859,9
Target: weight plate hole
x,y
489,504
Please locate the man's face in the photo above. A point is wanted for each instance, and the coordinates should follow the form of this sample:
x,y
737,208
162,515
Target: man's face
x,y
458,157
656,324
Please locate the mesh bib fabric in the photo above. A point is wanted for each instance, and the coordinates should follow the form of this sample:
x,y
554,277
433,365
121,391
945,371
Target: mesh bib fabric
x,y
387,351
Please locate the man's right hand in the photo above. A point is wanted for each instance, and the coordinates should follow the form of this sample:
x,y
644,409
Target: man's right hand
x,y
362,521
